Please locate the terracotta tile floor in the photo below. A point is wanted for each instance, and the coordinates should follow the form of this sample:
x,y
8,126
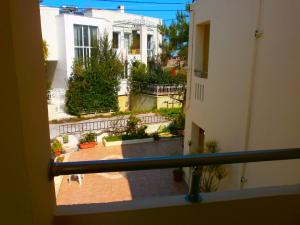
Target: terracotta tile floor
x,y
111,187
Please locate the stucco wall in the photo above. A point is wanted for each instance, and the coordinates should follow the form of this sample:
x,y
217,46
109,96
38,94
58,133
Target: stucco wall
x,y
123,103
275,112
250,99
27,195
148,102
142,102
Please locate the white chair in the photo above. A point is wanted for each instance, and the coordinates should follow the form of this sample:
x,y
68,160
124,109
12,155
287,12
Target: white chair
x,y
79,177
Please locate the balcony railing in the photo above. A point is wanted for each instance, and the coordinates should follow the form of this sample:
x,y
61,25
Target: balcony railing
x,y
196,162
158,89
106,125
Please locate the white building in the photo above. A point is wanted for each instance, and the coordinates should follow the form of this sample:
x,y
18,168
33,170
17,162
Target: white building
x,y
243,84
69,33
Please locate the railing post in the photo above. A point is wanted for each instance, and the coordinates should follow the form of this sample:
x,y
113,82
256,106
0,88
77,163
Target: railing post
x,y
194,188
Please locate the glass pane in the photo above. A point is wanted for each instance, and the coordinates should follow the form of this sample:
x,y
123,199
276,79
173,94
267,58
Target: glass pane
x,y
115,40
149,41
86,36
78,53
127,41
86,53
77,35
93,32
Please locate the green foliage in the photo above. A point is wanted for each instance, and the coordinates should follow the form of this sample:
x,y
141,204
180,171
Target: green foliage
x,y
177,125
89,137
175,37
170,113
213,174
93,85
154,73
56,145
133,130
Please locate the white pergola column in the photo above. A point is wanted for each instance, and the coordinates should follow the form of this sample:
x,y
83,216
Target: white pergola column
x,y
143,43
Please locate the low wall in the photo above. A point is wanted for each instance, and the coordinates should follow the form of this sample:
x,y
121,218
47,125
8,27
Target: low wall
x,y
147,102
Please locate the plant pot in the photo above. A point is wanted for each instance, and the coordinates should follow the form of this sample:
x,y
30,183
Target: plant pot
x,y
178,175
57,152
87,145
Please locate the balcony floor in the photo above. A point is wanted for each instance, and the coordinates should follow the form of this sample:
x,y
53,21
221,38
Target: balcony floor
x,y
113,187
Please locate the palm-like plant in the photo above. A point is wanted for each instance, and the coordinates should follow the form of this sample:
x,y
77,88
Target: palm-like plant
x,y
212,174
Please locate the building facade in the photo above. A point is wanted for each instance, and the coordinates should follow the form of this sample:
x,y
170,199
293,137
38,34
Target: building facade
x,y
69,33
243,84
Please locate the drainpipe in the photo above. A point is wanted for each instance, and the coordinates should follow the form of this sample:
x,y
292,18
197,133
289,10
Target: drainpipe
x,y
257,34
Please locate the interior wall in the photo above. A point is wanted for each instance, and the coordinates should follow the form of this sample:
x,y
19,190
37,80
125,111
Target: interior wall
x,y
27,195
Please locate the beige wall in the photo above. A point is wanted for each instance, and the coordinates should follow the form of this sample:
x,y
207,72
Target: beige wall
x,y
275,112
148,102
250,99
238,207
123,103
27,196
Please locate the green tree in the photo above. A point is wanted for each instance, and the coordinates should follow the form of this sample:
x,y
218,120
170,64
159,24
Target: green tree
x,y
94,82
175,37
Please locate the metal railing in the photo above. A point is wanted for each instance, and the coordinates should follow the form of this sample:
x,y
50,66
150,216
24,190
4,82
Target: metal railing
x,y
194,161
106,125
158,89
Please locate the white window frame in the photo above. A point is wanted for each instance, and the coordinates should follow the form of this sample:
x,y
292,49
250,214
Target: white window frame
x,y
83,47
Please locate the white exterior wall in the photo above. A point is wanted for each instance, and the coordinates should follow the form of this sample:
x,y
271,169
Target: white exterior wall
x,y
49,30
250,98
58,31
68,22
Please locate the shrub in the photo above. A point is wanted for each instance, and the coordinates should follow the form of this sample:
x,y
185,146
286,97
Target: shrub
x,y
212,174
170,113
56,145
132,125
89,137
177,124
154,73
94,82
134,128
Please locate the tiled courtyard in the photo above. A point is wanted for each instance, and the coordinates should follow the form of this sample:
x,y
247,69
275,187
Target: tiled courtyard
x,y
111,187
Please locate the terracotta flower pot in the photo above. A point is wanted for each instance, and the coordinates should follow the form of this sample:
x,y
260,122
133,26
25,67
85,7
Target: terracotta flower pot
x,y
57,152
87,145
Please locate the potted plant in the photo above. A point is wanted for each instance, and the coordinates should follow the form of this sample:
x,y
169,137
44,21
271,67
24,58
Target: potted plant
x,y
88,141
56,147
178,174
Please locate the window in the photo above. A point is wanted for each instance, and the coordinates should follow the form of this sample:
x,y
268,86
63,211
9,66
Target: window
x,y
115,40
127,41
84,39
202,52
150,42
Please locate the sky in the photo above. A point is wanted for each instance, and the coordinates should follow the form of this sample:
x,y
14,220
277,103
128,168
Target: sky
x,y
106,4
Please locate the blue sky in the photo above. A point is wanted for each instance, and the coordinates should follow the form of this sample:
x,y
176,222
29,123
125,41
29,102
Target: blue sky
x,y
166,16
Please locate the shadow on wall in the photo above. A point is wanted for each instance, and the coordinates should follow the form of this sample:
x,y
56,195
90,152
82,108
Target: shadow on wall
x,y
50,71
154,183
